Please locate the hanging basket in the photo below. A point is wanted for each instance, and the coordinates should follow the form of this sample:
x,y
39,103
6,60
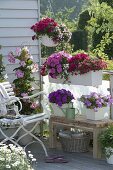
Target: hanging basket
x,y
47,41
88,79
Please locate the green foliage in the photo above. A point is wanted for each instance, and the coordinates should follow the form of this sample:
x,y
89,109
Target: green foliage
x,y
100,28
109,2
62,16
106,139
47,51
2,69
58,5
84,17
79,39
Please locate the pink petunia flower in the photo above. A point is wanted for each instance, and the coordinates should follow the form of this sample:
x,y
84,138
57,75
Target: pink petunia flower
x,y
19,74
18,51
22,63
11,58
33,105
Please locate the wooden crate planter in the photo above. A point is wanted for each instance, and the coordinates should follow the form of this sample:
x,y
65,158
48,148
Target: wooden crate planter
x,y
88,79
101,114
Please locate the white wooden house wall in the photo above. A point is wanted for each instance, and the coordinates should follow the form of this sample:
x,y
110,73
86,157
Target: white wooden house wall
x,y
16,18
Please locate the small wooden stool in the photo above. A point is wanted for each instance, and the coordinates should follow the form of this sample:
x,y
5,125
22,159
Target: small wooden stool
x,y
96,127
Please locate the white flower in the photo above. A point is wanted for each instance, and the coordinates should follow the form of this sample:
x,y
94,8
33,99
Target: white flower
x,y
8,166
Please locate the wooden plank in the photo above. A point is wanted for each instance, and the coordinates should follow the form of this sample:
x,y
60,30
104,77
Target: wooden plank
x,y
35,59
21,4
16,32
6,50
17,23
11,14
11,77
17,42
11,67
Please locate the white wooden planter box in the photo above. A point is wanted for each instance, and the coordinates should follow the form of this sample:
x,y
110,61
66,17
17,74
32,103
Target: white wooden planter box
x,y
48,41
88,79
101,114
57,111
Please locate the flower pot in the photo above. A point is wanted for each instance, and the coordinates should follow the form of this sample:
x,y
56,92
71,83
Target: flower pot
x,y
101,114
110,158
88,79
60,111
47,41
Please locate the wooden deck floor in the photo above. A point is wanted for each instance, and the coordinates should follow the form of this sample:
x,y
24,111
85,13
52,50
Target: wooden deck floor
x,y
77,161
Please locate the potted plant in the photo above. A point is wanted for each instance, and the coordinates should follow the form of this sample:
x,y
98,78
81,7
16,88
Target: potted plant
x,y
80,69
24,78
50,32
61,100
95,105
12,157
106,140
23,84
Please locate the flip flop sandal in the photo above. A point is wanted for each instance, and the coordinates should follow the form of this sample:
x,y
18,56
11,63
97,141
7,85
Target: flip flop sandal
x,y
54,157
56,160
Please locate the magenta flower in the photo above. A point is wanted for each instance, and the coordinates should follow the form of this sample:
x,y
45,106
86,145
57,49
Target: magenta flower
x,y
59,69
19,74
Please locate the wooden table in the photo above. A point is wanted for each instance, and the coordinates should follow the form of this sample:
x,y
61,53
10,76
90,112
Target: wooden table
x,y
96,127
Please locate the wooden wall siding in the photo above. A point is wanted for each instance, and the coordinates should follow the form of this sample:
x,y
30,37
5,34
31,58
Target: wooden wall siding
x,y
16,18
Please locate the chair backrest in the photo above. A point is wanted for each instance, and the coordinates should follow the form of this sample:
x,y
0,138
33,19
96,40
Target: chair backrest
x,y
7,96
7,90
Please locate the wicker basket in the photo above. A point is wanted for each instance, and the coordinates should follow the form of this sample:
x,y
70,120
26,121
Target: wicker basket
x,y
74,142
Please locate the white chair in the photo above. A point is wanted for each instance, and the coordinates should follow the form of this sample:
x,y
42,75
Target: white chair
x,y
7,97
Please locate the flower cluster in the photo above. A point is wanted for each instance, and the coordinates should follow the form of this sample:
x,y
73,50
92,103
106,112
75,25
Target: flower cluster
x,y
24,74
82,63
95,100
48,26
12,157
56,65
62,64
60,97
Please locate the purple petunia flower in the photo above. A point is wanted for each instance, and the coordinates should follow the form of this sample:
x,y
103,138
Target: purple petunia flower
x,y
96,101
87,103
60,97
